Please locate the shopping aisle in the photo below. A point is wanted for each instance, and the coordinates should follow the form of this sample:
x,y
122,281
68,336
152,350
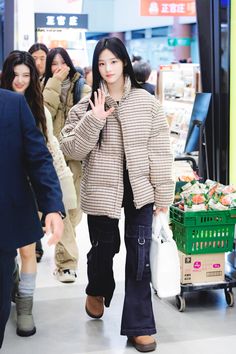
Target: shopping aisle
x,y
206,326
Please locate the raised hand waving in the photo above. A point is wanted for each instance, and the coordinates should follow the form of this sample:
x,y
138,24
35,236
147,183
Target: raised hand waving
x,y
98,107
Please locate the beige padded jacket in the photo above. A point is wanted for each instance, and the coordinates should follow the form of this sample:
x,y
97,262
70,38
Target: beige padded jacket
x,y
58,109
136,131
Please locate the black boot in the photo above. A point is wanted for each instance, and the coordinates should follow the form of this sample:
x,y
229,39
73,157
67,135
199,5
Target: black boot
x,y
39,251
16,279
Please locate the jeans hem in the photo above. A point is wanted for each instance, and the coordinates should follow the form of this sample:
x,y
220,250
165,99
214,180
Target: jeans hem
x,y
138,332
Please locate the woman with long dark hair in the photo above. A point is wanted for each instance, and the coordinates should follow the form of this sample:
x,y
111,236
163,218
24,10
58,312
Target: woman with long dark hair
x,y
26,81
60,83
19,74
122,138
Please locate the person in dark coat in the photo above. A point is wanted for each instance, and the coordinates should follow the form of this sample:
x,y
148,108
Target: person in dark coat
x,y
142,71
29,184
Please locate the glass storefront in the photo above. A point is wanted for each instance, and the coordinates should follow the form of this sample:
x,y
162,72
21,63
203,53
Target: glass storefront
x,y
63,30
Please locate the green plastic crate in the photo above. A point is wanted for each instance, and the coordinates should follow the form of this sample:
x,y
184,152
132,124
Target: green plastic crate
x,y
203,231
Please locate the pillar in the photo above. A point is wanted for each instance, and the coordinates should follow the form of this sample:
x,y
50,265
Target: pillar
x,y
181,31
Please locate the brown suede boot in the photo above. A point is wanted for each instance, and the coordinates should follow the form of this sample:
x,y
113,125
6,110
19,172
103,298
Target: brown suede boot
x,y
94,306
143,344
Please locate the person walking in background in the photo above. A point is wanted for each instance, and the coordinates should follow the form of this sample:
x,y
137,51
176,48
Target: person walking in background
x,y
59,95
39,52
28,173
79,87
88,75
142,71
135,58
122,137
20,75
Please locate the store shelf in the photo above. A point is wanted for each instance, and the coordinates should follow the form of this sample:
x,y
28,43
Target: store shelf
x,y
178,84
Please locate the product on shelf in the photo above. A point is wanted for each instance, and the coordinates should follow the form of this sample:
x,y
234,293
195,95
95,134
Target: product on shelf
x,y
178,84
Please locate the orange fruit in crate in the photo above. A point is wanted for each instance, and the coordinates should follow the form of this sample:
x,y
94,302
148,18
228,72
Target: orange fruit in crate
x,y
198,199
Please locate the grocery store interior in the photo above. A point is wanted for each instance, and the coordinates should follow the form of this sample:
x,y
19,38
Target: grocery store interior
x,y
207,324
188,45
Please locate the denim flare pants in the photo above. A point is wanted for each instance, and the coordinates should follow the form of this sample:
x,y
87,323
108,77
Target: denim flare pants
x,y
137,317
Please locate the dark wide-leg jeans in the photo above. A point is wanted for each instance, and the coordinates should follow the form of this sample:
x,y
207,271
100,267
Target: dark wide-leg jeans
x,y
137,317
7,265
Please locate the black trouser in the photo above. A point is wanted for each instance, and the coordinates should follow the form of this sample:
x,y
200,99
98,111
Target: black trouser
x,y
39,247
7,265
137,318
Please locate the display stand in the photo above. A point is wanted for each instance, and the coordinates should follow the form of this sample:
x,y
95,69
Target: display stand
x,y
196,139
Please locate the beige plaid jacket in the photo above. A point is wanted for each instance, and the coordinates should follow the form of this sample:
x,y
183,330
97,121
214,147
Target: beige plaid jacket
x,y
136,131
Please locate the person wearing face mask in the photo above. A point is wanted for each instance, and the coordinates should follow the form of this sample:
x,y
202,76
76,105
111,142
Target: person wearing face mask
x,y
20,75
59,90
29,184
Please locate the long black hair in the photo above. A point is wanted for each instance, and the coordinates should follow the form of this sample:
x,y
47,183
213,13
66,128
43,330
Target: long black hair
x,y
117,47
51,55
33,93
38,46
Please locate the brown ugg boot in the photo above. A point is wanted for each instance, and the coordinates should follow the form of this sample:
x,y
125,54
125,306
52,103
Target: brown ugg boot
x,y
94,306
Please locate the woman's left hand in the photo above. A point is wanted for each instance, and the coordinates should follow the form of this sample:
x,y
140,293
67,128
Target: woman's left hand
x,y
98,107
158,210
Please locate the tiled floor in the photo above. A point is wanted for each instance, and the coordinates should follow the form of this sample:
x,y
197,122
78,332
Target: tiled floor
x,y
207,326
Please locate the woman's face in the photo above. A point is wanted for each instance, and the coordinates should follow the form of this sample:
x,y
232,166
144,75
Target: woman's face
x,y
58,63
21,80
40,61
110,67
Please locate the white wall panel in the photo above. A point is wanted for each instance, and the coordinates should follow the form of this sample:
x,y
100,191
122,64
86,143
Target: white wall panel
x,y
24,24
123,15
59,6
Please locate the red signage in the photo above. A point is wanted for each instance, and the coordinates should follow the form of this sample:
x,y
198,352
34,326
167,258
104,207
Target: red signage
x,y
168,8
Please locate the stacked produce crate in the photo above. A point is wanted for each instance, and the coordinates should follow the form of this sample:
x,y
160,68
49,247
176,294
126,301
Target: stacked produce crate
x,y
203,224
